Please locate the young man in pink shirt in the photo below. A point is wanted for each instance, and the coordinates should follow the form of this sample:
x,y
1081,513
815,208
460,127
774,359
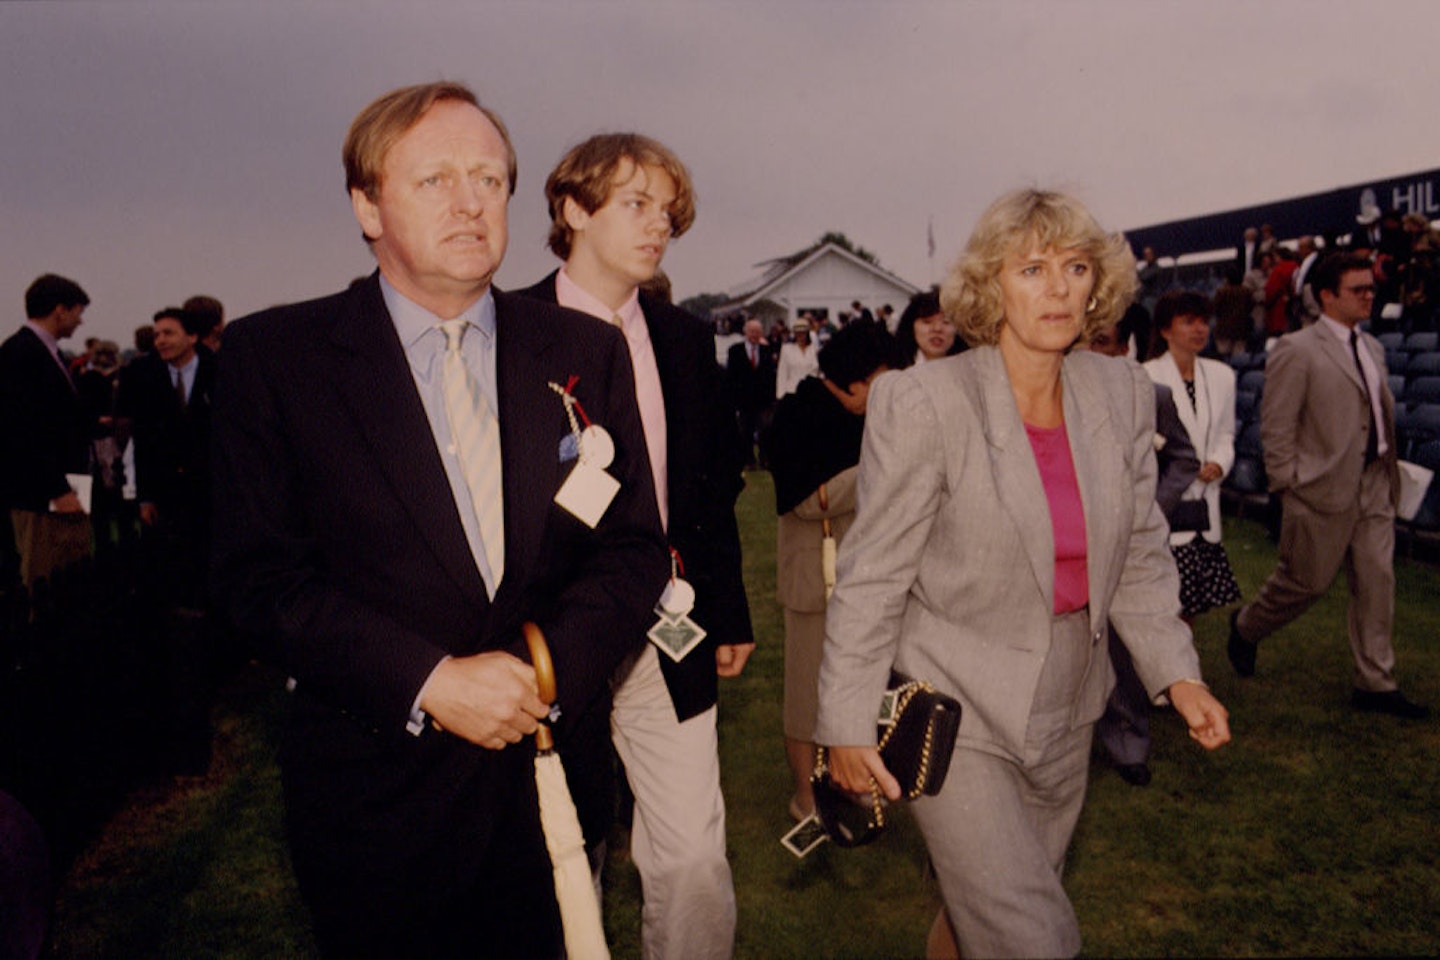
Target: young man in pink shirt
x,y
616,200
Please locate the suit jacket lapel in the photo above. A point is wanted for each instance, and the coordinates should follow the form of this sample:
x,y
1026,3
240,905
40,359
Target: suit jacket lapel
x,y
1097,454
1339,353
1014,472
529,441
374,380
1170,376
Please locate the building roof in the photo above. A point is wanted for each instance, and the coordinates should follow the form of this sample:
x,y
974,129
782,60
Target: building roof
x,y
772,274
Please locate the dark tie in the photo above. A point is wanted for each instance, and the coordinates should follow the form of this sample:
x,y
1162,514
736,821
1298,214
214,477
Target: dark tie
x,y
180,387
1372,442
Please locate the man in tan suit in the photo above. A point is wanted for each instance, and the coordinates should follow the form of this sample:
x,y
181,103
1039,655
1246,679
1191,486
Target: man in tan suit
x,y
1328,430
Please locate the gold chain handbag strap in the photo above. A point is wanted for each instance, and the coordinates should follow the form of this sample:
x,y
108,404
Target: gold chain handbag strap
x,y
903,695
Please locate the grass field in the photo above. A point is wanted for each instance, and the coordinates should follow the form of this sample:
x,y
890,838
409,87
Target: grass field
x,y
1316,832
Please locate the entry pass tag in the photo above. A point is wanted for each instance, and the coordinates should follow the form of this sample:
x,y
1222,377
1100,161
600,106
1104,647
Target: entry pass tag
x,y
803,838
674,632
587,492
676,636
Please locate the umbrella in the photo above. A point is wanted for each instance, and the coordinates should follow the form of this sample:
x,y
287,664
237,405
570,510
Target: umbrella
x,y
574,885
827,544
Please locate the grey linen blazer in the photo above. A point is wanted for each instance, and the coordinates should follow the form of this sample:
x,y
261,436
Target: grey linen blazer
x,y
948,573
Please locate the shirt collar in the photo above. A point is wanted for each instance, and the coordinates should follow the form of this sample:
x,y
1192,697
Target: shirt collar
x,y
413,321
1336,327
571,294
46,337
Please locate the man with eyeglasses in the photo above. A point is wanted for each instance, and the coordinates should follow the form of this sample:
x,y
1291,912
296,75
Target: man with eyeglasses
x,y
1328,432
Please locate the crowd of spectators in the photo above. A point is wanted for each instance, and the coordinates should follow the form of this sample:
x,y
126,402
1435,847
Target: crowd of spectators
x,y
110,657
104,535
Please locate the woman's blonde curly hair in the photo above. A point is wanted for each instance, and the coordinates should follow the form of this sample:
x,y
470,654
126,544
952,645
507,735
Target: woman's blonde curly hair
x,y
1017,222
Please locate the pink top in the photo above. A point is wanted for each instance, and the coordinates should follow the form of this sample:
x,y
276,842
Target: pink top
x,y
1067,515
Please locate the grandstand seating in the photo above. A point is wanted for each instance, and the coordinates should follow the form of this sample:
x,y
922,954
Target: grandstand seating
x,y
1423,365
1247,408
1422,390
1427,518
1422,341
1252,381
1419,426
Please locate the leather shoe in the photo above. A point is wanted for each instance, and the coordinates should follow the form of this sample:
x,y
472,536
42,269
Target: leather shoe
x,y
1135,774
1392,702
1240,650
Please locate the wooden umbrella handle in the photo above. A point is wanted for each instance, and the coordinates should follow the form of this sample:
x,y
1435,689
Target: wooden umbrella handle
x,y
544,677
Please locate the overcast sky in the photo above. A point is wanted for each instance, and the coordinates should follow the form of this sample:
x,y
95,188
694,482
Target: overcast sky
x,y
152,150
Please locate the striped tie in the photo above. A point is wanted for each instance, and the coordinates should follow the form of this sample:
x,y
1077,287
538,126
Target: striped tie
x,y
476,434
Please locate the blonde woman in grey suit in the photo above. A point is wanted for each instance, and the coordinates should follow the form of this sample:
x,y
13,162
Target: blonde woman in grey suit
x,y
1006,513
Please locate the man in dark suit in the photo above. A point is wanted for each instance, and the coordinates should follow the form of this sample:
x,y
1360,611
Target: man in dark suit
x,y
44,432
1328,431
1247,253
368,535
167,398
750,370
615,202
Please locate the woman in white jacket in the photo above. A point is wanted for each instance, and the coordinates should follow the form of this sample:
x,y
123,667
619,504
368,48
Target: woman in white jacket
x,y
1204,392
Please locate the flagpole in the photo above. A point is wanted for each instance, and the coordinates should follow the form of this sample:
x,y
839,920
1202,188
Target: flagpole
x,y
930,246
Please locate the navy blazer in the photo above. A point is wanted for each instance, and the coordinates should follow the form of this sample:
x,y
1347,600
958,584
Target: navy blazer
x,y
704,460
172,443
340,553
43,429
704,465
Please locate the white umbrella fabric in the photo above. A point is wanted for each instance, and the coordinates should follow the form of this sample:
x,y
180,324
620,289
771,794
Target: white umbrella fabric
x,y
827,545
574,885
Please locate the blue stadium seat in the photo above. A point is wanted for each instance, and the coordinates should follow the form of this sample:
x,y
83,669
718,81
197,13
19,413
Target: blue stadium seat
x,y
1394,340
1422,390
1253,381
1397,385
1247,476
1396,361
1420,425
1423,365
1247,408
1248,442
1427,518
1239,361
1422,341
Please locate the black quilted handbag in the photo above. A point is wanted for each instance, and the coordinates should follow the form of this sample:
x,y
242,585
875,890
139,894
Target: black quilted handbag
x,y
916,738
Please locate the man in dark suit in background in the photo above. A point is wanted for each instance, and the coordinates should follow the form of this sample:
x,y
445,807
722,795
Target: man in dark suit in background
x,y
370,537
167,398
44,432
209,319
615,202
750,370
